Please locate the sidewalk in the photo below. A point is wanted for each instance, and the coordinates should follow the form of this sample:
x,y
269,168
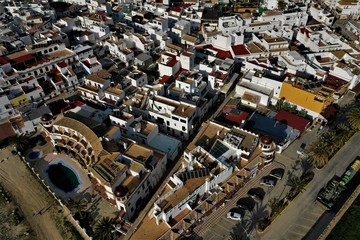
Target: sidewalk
x,y
303,212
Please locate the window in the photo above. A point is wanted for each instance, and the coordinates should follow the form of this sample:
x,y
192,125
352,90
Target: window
x,y
182,120
168,123
175,118
183,128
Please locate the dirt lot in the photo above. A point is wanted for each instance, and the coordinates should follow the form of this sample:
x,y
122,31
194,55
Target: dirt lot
x,y
42,212
12,223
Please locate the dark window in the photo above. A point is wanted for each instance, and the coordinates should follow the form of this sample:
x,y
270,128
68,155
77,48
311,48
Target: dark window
x,y
183,128
182,120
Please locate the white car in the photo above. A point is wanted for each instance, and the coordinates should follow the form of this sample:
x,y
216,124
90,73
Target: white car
x,y
268,181
235,214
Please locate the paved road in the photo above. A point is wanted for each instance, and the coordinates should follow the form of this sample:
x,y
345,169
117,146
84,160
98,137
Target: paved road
x,y
215,227
298,218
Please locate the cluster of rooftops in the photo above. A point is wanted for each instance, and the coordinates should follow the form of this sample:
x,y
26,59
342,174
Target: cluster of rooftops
x,y
144,78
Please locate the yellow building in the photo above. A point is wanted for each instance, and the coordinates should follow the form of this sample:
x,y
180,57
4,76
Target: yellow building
x,y
20,100
315,99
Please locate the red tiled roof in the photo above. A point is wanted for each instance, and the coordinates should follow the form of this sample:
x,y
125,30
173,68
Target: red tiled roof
x,y
6,130
334,82
219,75
329,112
237,116
240,50
23,58
41,61
62,64
165,79
220,53
173,60
356,89
292,120
3,61
178,7
305,31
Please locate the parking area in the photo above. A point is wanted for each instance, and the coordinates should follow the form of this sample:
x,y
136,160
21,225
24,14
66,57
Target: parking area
x,y
219,226
309,217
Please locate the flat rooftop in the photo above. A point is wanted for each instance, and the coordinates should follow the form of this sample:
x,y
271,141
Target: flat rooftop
x,y
138,152
180,194
165,143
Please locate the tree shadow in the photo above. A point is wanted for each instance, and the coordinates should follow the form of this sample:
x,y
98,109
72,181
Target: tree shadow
x,y
306,165
248,224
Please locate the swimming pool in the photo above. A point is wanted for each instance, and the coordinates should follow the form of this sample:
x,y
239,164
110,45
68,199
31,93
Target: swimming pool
x,y
34,154
63,177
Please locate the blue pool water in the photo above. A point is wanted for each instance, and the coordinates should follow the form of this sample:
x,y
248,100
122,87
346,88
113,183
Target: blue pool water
x,y
63,177
34,155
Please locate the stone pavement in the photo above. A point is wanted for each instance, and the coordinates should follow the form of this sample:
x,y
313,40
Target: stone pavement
x,y
303,212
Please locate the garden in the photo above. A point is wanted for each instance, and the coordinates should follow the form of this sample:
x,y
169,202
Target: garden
x,y
322,150
349,225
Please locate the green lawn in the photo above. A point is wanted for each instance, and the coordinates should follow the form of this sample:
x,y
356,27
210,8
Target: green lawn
x,y
349,225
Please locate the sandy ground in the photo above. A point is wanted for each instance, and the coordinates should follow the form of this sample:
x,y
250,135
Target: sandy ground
x,y
29,195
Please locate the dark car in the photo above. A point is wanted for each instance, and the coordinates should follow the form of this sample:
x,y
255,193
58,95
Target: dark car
x,y
268,181
246,203
277,173
257,193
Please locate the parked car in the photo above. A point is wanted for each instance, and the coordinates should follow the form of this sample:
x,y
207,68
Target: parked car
x,y
257,193
268,181
246,203
277,173
236,214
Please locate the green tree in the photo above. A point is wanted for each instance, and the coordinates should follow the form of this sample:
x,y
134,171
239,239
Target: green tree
x,y
343,132
282,5
104,229
79,207
297,185
21,142
331,139
275,205
320,153
293,109
353,118
280,104
302,113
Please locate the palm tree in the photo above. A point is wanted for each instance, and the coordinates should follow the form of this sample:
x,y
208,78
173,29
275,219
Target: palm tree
x,y
302,113
331,138
78,206
297,185
275,205
280,104
104,229
21,143
342,131
320,153
354,118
